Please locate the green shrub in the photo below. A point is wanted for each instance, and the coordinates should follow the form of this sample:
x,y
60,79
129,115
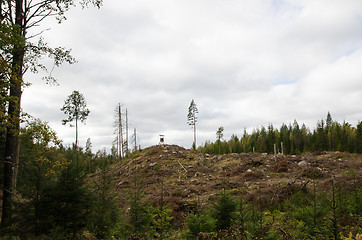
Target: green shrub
x,y
139,217
197,223
160,220
104,210
223,210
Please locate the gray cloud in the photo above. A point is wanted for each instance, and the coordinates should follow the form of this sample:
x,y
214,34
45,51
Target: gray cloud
x,y
246,64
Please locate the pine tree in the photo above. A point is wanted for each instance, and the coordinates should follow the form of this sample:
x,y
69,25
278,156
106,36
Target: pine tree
x,y
219,136
75,107
192,119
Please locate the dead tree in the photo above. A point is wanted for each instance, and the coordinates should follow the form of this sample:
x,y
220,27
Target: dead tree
x,y
121,124
135,139
126,141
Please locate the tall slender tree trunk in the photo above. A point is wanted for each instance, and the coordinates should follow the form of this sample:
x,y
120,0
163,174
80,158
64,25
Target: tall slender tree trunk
x,y
76,132
126,150
135,139
194,116
219,146
120,131
3,104
195,135
1,10
11,160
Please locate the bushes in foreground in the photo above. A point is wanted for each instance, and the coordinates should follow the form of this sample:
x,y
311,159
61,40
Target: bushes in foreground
x,y
71,209
305,215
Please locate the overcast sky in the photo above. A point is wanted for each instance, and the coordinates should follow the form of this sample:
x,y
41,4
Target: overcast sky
x,y
246,63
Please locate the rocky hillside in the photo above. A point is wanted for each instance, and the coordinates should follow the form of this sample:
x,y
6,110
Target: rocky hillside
x,y
181,176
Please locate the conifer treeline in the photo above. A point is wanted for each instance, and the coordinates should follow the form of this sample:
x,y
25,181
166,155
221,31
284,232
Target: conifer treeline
x,y
328,135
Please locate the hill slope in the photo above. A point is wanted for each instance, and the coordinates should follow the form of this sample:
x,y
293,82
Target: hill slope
x,y
181,176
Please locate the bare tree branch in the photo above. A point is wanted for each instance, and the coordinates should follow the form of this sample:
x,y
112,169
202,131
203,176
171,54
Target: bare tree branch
x,y
37,34
42,17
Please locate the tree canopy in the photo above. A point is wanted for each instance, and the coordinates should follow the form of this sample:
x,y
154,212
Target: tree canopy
x,y
75,107
328,135
21,48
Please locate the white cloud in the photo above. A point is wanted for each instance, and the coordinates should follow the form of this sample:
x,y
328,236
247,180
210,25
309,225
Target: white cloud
x,y
246,64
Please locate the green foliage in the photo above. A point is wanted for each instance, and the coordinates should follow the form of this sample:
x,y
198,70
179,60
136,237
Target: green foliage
x,y
121,229
292,139
199,222
359,137
192,119
139,217
19,54
313,215
242,216
69,201
223,210
104,210
55,202
191,116
333,215
42,164
75,107
161,220
219,136
305,215
57,205
193,146
256,225
144,221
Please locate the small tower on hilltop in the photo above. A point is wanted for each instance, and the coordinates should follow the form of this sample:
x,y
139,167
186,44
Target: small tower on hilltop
x,y
162,139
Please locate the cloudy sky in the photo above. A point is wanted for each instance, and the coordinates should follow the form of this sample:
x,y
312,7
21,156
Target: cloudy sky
x,y
245,63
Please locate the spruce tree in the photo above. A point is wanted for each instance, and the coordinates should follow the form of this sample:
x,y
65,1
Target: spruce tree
x,y
68,202
139,218
104,210
223,210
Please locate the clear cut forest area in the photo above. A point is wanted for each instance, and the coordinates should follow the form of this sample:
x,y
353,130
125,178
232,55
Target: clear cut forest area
x,y
169,192
286,183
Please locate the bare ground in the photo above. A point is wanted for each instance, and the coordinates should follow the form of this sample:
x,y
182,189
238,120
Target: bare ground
x,y
181,177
